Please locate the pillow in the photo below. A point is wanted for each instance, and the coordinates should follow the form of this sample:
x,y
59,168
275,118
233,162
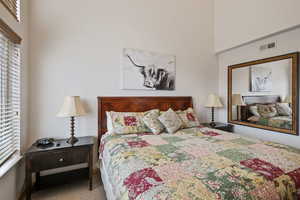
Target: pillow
x,y
152,122
283,109
253,119
171,121
109,123
189,118
126,122
254,111
267,111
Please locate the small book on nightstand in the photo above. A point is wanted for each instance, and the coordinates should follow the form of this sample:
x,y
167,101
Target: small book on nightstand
x,y
220,126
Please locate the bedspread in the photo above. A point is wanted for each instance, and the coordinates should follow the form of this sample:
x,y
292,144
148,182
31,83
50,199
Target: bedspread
x,y
200,163
277,122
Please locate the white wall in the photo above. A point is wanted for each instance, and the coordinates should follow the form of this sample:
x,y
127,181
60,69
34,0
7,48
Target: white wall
x,y
287,42
75,49
12,182
238,22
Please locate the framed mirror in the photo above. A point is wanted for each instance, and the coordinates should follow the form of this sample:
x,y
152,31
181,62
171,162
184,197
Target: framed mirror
x,y
264,94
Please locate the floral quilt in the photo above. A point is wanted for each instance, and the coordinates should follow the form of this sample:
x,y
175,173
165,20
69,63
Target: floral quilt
x,y
277,122
201,164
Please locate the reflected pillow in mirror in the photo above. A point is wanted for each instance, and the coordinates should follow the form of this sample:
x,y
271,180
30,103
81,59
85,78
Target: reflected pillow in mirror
x,y
283,109
253,119
267,111
254,111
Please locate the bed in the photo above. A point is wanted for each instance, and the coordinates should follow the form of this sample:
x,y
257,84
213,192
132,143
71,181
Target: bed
x,y
284,122
194,163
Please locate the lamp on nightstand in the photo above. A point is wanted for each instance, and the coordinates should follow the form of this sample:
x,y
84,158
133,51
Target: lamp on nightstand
x,y
72,107
213,101
237,101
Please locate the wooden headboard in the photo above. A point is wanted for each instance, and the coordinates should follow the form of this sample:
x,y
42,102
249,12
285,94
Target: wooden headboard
x,y
137,104
252,100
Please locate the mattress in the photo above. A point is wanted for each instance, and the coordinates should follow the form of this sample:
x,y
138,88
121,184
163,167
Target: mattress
x,y
198,163
108,187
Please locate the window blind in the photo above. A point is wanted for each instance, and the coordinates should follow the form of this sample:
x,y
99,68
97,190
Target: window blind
x,y
9,98
13,7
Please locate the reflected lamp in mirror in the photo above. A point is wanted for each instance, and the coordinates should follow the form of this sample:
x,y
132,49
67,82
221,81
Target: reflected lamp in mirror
x,y
213,101
237,101
288,100
72,107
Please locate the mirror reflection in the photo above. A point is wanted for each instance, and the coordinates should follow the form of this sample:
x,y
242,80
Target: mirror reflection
x,y
261,94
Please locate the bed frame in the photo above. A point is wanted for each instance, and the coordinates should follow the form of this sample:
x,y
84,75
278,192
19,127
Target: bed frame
x,y
253,100
137,104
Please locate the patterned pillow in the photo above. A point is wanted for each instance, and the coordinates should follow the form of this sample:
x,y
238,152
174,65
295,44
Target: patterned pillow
x,y
127,122
189,118
152,122
267,111
283,109
171,121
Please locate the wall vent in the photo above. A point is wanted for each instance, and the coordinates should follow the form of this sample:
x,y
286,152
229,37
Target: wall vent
x,y
267,46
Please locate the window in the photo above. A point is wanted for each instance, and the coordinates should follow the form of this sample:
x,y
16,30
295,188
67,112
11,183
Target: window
x,y
13,7
9,92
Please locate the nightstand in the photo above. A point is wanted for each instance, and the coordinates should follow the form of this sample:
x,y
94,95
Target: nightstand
x,y
220,126
61,154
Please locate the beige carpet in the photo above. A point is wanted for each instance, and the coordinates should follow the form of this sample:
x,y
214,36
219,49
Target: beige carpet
x,y
76,191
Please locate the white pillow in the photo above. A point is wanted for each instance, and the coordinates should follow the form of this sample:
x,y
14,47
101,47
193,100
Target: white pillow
x,y
109,123
254,111
283,109
171,121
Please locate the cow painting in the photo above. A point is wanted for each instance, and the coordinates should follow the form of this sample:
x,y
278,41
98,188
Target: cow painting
x,y
156,74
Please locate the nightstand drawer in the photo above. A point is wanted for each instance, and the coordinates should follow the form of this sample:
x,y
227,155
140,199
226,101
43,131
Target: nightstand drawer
x,y
60,158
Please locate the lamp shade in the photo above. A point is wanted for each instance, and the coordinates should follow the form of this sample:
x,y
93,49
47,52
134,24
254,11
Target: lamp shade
x,y
213,101
288,99
72,107
237,100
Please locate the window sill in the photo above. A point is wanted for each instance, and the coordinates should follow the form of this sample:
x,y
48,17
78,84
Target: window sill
x,y
10,163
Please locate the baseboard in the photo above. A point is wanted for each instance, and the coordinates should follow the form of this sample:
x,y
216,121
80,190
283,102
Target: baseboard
x,y
22,193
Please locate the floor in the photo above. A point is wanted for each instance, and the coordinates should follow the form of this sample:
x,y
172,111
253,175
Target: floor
x,y
75,191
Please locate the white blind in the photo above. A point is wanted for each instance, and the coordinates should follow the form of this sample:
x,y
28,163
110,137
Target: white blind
x,y
13,7
9,98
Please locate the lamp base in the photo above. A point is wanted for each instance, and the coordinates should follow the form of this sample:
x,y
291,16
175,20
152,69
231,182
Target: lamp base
x,y
72,140
213,124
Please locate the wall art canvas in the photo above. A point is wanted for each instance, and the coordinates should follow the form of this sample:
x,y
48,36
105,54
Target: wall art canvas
x,y
261,79
144,70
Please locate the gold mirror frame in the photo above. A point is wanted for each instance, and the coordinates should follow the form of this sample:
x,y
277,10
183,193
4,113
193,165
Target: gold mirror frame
x,y
295,91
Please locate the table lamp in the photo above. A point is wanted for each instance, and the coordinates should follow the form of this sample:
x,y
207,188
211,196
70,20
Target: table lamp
x,y
213,101
72,107
288,100
237,101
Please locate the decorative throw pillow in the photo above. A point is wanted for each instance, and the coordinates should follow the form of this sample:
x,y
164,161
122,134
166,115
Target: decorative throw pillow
x,y
283,109
171,121
152,122
267,111
254,111
126,122
189,118
253,119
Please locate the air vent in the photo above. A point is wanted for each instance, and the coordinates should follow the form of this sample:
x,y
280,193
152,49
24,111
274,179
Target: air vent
x,y
267,46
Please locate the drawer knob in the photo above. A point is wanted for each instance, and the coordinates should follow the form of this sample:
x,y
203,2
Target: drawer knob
x,y
61,160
